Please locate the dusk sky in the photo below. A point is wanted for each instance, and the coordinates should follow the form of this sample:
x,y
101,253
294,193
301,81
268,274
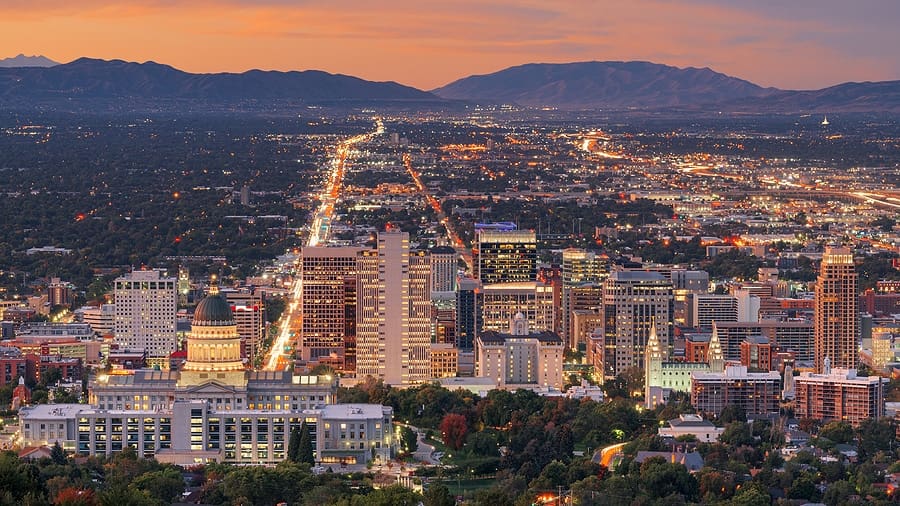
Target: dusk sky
x,y
798,44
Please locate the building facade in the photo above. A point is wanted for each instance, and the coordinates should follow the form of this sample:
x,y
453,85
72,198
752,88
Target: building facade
x,y
505,256
146,307
501,302
838,394
213,410
837,311
757,393
520,358
393,325
633,301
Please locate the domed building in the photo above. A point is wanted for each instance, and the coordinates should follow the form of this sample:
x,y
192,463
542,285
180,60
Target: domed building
x,y
214,346
215,409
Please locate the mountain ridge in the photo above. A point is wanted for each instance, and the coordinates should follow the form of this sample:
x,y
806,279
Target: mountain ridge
x,y
647,85
95,78
20,60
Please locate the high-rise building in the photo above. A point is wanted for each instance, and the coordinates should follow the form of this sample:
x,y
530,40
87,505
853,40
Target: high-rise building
x,y
502,301
146,307
505,256
328,298
837,311
793,336
468,313
707,308
582,266
632,302
393,318
583,297
444,268
249,309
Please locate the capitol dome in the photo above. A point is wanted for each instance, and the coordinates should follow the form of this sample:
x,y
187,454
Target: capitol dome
x,y
213,311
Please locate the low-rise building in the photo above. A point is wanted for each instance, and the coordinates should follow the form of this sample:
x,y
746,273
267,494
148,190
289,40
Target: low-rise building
x,y
692,425
754,392
520,359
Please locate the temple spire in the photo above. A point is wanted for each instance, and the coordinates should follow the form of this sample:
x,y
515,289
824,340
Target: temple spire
x,y
714,356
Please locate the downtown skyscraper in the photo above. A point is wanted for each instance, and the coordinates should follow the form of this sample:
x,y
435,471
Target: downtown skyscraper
x,y
393,317
837,311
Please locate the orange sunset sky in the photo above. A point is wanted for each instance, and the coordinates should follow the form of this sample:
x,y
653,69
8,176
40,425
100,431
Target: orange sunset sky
x,y
797,44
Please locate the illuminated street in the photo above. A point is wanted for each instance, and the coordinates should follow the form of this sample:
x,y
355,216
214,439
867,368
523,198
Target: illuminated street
x,y
320,224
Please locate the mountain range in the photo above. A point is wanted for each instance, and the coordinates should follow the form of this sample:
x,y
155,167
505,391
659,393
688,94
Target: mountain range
x,y
644,85
573,86
117,79
21,60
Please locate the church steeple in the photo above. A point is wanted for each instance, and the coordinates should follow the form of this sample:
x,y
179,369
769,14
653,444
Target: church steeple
x,y
653,360
714,355
654,348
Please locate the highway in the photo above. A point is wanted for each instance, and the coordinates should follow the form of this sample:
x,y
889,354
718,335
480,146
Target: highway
x,y
455,241
320,226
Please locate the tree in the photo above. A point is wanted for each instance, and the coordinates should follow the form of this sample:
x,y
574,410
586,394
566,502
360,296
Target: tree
x,y
453,430
751,495
57,455
839,432
409,441
305,450
875,435
75,497
438,495
293,453
165,485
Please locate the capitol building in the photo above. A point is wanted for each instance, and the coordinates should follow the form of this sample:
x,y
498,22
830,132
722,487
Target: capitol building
x,y
213,409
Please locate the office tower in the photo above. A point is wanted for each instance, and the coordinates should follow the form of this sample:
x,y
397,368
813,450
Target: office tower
x,y
146,304
582,271
838,394
583,297
584,323
249,311
468,313
837,313
393,318
794,336
327,299
707,308
632,302
443,313
59,293
581,266
350,303
444,261
551,275
505,256
501,302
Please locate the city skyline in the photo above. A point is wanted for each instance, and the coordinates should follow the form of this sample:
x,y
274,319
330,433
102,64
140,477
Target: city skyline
x,y
431,45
